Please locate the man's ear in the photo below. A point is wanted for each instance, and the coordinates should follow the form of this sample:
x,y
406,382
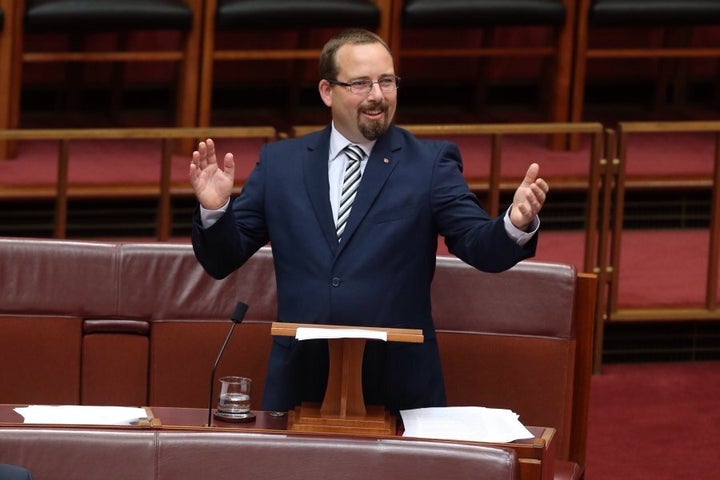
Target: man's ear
x,y
325,90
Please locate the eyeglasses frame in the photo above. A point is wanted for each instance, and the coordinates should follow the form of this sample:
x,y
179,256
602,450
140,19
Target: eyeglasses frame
x,y
369,87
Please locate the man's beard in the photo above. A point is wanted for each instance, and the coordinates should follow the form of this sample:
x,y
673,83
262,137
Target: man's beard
x,y
372,130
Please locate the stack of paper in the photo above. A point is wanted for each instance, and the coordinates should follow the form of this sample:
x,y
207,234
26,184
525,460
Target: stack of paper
x,y
478,424
315,333
82,415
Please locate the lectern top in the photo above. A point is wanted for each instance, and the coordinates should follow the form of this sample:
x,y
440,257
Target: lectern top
x,y
407,335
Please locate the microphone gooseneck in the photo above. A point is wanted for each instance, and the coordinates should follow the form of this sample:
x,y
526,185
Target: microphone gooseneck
x,y
237,317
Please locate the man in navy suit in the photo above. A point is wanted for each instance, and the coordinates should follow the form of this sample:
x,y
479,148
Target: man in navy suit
x,y
378,271
13,472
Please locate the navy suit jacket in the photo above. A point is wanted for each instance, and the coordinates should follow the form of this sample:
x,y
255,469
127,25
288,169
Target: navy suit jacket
x,y
412,190
13,472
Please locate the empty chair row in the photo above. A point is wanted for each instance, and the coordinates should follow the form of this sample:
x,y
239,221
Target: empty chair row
x,y
200,34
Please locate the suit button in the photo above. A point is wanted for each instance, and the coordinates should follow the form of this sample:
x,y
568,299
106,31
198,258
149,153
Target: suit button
x,y
335,281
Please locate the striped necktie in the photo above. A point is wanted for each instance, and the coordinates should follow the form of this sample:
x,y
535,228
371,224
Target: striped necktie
x,y
351,180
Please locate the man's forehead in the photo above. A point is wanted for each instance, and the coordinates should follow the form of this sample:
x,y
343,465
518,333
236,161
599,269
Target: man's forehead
x,y
367,56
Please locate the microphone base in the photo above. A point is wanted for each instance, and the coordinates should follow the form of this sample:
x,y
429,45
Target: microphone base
x,y
234,417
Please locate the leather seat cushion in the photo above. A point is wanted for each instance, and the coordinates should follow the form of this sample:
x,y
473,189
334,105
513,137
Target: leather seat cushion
x,y
291,13
469,13
654,12
99,15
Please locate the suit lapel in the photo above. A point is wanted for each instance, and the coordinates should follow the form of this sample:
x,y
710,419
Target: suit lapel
x,y
315,171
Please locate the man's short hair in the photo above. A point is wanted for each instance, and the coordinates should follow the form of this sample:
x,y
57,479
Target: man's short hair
x,y
328,67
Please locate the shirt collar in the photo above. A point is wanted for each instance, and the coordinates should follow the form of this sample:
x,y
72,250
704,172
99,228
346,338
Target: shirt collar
x,y
338,142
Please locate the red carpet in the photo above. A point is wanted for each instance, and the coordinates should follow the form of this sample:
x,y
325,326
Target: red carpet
x,y
654,421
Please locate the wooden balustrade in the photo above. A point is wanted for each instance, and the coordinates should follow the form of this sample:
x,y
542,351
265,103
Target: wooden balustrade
x,y
164,189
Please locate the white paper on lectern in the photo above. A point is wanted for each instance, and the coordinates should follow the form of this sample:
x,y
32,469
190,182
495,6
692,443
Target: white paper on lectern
x,y
314,333
478,424
82,414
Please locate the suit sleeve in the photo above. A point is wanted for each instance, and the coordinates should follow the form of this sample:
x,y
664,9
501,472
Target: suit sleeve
x,y
238,234
469,231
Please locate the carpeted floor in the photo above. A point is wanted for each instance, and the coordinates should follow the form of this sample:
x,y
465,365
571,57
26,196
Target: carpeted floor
x,y
654,421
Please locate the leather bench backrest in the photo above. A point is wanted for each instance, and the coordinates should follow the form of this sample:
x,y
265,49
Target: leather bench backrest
x,y
85,454
48,287
507,340
532,298
47,277
189,313
80,454
164,281
253,456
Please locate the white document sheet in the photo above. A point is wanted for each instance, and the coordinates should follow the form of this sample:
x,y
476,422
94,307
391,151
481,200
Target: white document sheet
x,y
478,424
82,414
313,333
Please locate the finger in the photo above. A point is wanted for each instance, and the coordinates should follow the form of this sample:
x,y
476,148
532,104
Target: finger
x,y
195,161
538,192
536,203
531,175
194,171
201,155
229,163
210,149
542,184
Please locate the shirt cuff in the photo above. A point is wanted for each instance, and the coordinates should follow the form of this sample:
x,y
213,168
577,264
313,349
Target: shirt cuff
x,y
519,236
209,217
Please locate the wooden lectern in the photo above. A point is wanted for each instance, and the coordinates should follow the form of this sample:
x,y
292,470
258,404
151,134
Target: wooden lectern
x,y
343,409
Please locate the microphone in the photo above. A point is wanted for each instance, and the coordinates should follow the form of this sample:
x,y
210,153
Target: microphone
x,y
237,317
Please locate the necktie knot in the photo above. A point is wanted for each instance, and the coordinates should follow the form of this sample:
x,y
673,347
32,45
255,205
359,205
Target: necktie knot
x,y
354,153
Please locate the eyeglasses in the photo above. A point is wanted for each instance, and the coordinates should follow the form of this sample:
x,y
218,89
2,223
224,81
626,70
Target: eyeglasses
x,y
363,87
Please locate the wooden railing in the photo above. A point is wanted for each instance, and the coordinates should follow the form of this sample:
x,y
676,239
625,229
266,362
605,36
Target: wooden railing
x,y
164,189
627,132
